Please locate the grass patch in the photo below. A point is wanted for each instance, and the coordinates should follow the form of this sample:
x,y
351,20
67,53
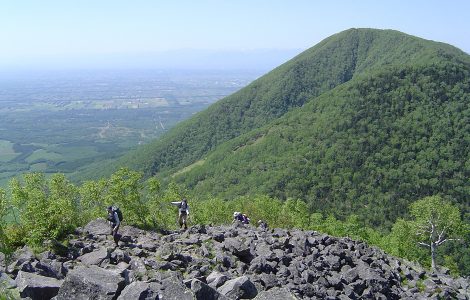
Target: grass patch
x,y
42,154
188,168
8,294
420,285
71,153
7,152
39,167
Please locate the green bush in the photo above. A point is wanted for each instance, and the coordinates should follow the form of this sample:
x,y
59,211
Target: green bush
x,y
48,209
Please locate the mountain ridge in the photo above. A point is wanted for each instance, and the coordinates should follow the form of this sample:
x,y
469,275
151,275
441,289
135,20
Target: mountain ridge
x,y
346,81
259,103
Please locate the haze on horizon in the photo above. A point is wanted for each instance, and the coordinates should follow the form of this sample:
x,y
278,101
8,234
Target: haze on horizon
x,y
206,34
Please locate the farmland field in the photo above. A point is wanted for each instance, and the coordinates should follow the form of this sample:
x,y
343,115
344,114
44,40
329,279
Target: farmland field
x,y
58,122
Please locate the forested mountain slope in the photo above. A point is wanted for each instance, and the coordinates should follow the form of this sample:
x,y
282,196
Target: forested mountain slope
x,y
330,63
369,147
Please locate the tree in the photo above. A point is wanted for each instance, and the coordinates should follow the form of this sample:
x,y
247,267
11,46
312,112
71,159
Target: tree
x,y
3,212
436,222
123,189
47,208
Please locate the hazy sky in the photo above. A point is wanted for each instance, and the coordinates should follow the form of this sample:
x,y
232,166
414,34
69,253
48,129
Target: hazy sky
x,y
135,33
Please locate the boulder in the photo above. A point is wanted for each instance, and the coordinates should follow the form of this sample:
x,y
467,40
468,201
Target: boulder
x,y
91,282
97,227
263,249
137,290
2,262
147,243
204,292
268,280
240,249
6,281
276,293
95,257
130,234
239,288
216,279
37,286
272,264
174,288
21,256
49,268
118,256
138,267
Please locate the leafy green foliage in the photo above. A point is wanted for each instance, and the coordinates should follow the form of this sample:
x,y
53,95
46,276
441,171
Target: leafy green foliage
x,y
330,63
369,147
402,242
363,123
354,129
47,208
51,208
435,222
3,213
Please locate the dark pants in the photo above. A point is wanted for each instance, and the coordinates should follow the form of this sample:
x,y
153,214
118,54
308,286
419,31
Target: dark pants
x,y
115,234
182,219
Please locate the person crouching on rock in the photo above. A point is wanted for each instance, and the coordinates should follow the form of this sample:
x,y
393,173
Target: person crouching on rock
x,y
238,216
183,212
114,220
262,225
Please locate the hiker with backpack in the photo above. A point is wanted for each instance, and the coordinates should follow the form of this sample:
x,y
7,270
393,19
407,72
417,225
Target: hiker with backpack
x,y
114,218
238,216
262,225
183,212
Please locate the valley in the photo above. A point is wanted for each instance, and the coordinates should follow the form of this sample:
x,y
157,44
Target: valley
x,y
58,121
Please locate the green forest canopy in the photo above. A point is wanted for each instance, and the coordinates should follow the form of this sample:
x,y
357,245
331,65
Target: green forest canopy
x,y
365,122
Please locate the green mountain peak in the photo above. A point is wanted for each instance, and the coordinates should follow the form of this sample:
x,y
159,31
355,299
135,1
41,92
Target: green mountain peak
x,y
364,122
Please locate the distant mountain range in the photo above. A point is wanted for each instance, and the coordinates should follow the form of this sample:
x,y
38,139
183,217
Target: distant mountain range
x,y
364,122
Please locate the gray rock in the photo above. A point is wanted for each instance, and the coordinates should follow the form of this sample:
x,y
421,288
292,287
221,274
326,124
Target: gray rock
x,y
91,283
7,281
137,265
264,250
260,265
216,279
49,268
97,227
237,288
95,257
277,263
119,255
2,262
137,290
276,293
21,256
350,275
36,286
240,249
174,288
268,280
204,292
130,233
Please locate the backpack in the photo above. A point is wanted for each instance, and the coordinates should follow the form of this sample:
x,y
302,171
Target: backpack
x,y
119,213
183,206
245,220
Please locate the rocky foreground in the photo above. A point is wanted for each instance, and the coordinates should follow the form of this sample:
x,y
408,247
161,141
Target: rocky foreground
x,y
221,262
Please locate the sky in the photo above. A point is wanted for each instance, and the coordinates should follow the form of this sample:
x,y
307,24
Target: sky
x,y
204,33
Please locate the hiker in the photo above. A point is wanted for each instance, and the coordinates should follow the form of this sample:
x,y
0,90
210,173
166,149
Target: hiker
x,y
115,222
262,225
238,216
183,212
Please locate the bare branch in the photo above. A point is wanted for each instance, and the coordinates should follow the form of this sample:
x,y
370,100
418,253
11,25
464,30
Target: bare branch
x,y
441,235
424,244
446,240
